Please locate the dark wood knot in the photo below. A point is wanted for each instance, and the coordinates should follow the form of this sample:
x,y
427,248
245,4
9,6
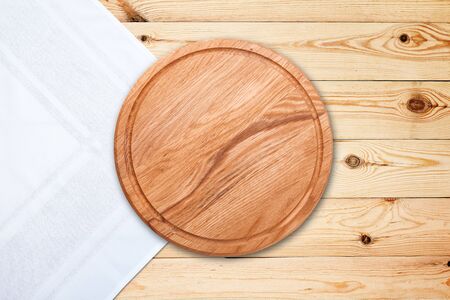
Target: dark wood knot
x,y
144,38
448,263
404,38
390,199
418,105
353,161
365,239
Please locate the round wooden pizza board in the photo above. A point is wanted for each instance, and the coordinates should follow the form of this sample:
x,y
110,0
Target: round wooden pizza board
x,y
223,147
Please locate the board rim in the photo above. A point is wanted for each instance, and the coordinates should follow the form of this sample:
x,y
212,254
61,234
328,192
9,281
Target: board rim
x,y
123,156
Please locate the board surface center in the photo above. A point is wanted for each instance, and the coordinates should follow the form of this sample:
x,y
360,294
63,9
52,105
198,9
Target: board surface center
x,y
224,144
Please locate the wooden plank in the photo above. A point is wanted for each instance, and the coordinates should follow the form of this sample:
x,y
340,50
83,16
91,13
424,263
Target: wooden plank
x,y
293,278
387,110
390,168
276,10
364,227
408,168
326,51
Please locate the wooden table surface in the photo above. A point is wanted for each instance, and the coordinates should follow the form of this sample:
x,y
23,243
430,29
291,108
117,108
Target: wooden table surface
x,y
383,227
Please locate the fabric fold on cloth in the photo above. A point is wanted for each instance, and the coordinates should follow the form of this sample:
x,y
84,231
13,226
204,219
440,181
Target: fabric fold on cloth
x,y
66,229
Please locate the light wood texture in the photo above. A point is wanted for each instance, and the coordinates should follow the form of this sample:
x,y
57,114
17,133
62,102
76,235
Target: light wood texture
x,y
284,10
326,51
381,248
223,147
406,168
387,110
364,227
293,278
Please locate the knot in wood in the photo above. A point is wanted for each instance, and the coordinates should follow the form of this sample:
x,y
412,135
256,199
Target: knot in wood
x,y
390,199
404,38
144,38
365,239
418,105
353,161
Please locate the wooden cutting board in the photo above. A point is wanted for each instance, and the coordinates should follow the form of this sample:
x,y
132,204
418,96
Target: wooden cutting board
x,y
223,147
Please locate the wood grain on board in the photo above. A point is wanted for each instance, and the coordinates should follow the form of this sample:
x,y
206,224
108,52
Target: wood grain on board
x,y
326,51
223,147
293,278
276,10
363,227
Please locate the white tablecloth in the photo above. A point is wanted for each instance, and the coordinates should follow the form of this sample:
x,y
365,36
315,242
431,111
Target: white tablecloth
x,y
66,229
